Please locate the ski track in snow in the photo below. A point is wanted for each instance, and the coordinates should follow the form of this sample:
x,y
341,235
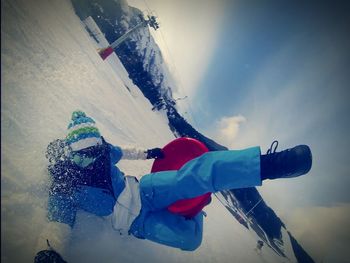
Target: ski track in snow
x,y
50,67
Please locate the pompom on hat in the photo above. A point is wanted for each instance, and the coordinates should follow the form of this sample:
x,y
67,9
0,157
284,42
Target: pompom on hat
x,y
82,132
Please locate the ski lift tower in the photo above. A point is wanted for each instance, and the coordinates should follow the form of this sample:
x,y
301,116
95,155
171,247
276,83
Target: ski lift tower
x,y
152,22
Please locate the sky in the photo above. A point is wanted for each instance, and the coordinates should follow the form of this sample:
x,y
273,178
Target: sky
x,y
259,71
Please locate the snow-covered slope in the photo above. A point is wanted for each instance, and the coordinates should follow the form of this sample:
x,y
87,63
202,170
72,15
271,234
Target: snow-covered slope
x,y
50,67
147,49
138,52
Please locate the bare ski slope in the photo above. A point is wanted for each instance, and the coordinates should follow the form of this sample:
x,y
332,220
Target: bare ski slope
x,y
50,67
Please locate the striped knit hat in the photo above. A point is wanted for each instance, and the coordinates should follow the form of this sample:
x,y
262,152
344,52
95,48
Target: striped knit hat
x,y
82,132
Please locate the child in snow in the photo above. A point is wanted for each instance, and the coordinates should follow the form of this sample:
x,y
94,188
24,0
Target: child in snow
x,y
85,177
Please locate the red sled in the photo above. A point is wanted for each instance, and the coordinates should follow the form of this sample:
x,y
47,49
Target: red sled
x,y
177,153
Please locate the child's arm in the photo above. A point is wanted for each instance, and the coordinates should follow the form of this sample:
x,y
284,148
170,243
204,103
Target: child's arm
x,y
126,153
130,153
133,153
141,154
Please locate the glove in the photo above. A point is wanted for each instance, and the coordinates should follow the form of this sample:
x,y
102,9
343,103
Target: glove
x,y
48,256
155,153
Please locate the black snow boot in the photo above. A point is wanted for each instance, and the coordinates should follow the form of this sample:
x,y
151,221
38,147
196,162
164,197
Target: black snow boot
x,y
286,164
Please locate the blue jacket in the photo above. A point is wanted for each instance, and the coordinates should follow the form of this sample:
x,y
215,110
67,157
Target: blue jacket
x,y
97,192
94,190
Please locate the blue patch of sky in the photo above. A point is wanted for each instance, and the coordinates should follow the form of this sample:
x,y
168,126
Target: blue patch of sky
x,y
251,34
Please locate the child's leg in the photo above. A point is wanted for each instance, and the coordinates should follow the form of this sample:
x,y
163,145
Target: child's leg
x,y
169,229
211,172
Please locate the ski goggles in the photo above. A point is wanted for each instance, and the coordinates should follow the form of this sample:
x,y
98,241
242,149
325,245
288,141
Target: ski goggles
x,y
85,157
82,160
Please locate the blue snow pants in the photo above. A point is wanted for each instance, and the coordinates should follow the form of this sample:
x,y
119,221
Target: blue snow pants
x,y
211,172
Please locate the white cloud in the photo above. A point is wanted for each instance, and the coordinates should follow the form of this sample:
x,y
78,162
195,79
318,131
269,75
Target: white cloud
x,y
227,129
